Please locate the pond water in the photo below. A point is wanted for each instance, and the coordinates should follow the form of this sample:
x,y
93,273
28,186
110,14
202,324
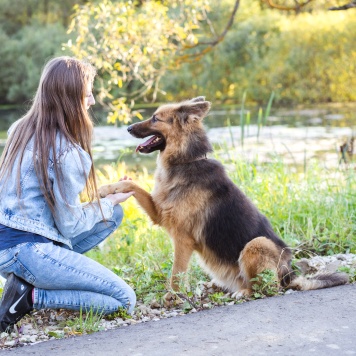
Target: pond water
x,y
297,135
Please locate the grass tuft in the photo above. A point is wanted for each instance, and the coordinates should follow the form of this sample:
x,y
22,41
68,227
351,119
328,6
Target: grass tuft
x,y
265,284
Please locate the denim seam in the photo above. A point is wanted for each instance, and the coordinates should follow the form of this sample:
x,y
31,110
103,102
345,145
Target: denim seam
x,y
76,270
9,263
27,175
78,305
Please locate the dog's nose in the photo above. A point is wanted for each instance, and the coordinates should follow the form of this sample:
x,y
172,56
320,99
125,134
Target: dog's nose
x,y
129,129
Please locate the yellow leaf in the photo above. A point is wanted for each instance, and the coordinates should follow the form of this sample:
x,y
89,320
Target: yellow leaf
x,y
138,114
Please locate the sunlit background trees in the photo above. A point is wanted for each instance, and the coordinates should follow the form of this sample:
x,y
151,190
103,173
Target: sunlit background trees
x,y
169,50
240,55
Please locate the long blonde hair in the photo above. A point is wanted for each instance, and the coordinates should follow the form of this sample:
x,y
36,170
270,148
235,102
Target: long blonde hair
x,y
58,108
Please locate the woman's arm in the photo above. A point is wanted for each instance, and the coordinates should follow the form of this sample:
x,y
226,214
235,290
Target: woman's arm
x,y
71,216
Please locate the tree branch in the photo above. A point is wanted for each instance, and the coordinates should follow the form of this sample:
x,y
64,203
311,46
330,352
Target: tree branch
x,y
227,28
350,5
210,44
297,7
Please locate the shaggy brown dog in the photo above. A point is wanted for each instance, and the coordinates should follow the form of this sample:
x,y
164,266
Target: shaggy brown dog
x,y
203,210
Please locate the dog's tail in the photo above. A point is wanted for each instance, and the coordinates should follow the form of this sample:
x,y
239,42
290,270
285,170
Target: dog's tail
x,y
289,279
318,281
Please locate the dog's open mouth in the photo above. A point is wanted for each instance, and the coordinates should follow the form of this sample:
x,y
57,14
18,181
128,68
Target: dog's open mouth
x,y
155,142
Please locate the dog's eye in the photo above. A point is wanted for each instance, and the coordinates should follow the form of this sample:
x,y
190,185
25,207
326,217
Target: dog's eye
x,y
154,119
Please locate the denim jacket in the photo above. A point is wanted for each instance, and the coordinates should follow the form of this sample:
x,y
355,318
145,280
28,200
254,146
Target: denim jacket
x,y
30,212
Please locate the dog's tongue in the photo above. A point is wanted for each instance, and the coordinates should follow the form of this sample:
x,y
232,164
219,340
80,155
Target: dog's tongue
x,y
146,143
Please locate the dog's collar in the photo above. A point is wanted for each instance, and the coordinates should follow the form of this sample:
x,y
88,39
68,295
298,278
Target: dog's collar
x,y
174,162
197,159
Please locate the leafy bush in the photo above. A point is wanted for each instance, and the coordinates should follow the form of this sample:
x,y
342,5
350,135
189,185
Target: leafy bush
x,y
23,57
303,59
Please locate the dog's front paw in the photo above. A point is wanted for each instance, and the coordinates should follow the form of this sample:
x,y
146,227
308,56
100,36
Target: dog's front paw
x,y
105,190
243,293
170,299
124,186
211,285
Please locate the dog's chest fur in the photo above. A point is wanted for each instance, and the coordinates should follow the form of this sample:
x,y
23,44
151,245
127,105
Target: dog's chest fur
x,y
182,205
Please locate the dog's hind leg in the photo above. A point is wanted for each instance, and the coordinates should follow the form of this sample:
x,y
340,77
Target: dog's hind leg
x,y
257,256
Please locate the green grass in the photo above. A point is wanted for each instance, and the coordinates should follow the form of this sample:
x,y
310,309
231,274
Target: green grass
x,y
265,284
85,323
314,212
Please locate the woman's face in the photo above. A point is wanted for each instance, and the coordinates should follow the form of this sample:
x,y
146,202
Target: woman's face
x,y
89,98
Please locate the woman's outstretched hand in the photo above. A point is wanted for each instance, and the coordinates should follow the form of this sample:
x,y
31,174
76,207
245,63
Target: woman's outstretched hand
x,y
118,198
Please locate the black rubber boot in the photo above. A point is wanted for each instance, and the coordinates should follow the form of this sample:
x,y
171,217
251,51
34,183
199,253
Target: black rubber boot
x,y
16,302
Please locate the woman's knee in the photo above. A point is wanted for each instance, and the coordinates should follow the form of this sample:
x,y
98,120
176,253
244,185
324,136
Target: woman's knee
x,y
130,299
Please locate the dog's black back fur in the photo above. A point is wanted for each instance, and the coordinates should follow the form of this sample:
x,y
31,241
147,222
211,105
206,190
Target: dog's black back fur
x,y
233,219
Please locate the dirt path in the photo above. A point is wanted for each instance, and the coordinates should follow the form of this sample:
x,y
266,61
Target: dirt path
x,y
319,322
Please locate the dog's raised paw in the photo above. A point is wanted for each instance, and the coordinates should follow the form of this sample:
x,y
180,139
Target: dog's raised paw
x,y
104,191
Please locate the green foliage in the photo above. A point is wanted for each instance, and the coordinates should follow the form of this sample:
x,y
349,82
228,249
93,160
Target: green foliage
x,y
16,14
85,323
265,284
132,44
313,211
140,49
23,56
350,270
31,32
121,313
58,334
150,281
220,298
303,59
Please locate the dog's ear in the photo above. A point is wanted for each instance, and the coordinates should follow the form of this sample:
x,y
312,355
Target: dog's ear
x,y
197,99
193,110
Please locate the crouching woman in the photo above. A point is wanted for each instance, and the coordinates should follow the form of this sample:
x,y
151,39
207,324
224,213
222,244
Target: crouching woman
x,y
44,227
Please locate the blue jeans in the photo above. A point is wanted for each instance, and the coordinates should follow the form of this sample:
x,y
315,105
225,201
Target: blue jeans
x,y
67,279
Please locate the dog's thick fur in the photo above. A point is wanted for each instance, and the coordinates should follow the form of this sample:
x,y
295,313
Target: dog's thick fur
x,y
203,211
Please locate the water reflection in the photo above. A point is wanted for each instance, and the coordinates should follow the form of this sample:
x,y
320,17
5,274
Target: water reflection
x,y
297,145
296,134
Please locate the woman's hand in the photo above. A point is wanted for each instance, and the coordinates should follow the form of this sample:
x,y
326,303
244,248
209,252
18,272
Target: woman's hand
x,y
118,198
115,198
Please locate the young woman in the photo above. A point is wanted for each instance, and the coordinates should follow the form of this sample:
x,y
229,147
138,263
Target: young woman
x,y
44,227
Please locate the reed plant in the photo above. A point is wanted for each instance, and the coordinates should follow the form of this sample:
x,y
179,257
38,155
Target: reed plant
x,y
245,120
